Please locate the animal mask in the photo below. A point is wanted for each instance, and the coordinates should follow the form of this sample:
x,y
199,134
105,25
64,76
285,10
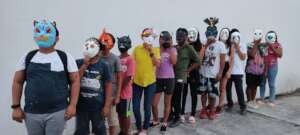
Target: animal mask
x,y
211,30
258,34
106,39
271,37
235,37
91,47
44,33
193,34
224,34
124,43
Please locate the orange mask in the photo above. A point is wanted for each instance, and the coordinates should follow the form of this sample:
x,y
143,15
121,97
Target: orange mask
x,y
106,39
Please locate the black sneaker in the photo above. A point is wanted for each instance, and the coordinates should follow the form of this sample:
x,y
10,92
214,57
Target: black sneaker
x,y
176,122
243,112
163,128
229,108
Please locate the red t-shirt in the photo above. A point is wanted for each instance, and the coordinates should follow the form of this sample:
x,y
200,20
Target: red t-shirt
x,y
271,58
127,69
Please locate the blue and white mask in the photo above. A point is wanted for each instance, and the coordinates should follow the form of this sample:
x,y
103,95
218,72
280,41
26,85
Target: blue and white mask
x,y
44,33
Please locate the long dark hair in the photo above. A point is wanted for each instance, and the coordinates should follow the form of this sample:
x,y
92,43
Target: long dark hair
x,y
197,44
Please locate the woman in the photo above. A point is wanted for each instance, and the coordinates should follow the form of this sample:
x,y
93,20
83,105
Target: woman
x,y
271,61
224,37
193,78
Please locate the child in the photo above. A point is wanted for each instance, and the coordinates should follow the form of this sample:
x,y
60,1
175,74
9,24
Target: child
x,y
128,69
95,91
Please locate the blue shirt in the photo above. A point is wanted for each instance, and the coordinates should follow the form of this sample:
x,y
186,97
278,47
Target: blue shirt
x,y
92,86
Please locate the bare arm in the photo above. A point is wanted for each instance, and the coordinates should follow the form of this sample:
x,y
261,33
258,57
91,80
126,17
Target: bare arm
x,y
240,53
17,87
231,59
173,58
278,51
108,94
75,87
222,64
119,86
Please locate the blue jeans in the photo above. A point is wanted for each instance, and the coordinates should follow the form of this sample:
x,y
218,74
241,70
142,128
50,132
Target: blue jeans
x,y
271,77
149,92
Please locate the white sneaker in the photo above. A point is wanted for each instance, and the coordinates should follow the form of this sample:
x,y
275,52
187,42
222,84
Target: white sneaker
x,y
271,104
182,118
144,132
192,120
252,104
261,102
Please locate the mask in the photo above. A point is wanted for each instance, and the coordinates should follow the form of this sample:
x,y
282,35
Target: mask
x,y
124,43
224,34
44,33
235,38
91,48
106,39
211,32
271,38
192,34
148,40
257,34
181,37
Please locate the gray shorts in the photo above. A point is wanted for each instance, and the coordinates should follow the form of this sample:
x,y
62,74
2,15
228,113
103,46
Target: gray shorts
x,y
45,124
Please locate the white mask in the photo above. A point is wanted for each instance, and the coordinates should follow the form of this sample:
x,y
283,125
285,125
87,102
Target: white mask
x,y
91,48
224,34
258,34
271,38
192,34
148,40
235,37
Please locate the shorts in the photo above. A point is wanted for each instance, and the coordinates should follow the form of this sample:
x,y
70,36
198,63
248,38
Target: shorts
x,y
226,68
253,80
124,108
208,86
112,118
165,85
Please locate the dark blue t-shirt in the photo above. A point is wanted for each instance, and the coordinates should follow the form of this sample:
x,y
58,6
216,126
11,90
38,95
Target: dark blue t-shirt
x,y
92,86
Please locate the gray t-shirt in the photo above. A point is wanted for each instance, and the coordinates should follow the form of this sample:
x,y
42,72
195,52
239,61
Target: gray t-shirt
x,y
114,64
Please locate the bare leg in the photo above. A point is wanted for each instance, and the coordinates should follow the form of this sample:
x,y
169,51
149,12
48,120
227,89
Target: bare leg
x,y
155,103
167,110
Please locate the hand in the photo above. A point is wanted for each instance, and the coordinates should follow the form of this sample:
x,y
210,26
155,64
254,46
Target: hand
x,y
105,111
116,100
148,48
228,75
18,115
70,112
219,76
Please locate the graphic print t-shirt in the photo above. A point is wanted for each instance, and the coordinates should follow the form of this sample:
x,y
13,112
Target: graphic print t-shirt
x,y
92,86
211,61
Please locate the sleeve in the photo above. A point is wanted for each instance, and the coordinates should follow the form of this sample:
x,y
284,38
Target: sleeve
x,y
194,56
21,63
118,64
72,66
106,73
130,67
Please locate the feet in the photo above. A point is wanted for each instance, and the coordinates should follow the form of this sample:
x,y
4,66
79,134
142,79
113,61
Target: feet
x,y
143,132
182,118
163,128
192,120
219,110
252,104
271,104
243,112
212,115
203,113
154,124
176,122
229,108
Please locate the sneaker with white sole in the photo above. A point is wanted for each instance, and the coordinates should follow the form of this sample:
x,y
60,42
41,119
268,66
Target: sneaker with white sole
x,y
192,120
252,104
143,132
182,118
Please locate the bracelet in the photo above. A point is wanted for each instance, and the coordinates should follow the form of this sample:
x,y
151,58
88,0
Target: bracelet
x,y
15,106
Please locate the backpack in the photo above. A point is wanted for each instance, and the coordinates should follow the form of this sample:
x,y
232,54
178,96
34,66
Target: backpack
x,y
62,55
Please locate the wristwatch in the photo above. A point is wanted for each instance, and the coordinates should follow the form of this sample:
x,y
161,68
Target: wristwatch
x,y
15,106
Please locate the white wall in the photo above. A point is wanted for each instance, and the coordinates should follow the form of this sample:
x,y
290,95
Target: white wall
x,y
80,19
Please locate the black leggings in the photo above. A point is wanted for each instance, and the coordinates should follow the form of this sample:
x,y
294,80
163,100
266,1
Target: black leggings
x,y
193,92
238,82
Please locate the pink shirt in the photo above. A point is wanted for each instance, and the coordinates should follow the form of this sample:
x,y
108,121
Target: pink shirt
x,y
271,58
128,69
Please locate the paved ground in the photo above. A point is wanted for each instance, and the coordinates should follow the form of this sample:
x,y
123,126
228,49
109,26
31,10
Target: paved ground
x,y
284,119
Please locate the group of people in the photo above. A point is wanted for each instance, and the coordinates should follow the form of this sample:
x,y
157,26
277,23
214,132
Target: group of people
x,y
104,87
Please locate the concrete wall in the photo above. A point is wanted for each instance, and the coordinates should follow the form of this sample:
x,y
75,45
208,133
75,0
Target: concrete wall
x,y
78,20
